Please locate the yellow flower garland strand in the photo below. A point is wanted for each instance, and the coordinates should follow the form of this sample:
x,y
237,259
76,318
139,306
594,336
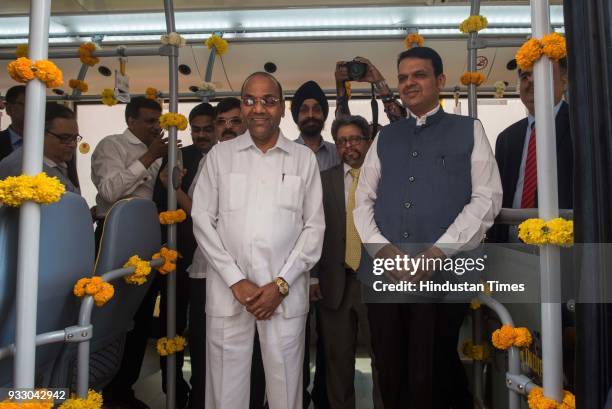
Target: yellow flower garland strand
x,y
475,352
470,77
142,269
40,188
108,97
78,84
507,336
170,257
170,346
552,45
94,401
220,44
414,38
86,51
556,231
537,400
173,119
24,70
473,24
172,217
100,290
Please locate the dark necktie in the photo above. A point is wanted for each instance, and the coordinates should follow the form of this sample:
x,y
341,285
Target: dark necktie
x,y
530,182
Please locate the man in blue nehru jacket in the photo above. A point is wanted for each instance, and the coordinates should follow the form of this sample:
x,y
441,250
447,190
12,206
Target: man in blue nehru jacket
x,y
429,184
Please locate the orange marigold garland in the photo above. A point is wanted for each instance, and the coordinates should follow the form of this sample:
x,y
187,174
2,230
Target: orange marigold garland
x,y
100,290
23,70
151,93
172,217
468,78
507,336
78,84
552,45
86,51
537,400
170,257
219,43
414,38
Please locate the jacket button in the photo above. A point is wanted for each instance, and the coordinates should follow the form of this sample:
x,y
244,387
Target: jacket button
x,y
415,154
406,235
407,205
411,178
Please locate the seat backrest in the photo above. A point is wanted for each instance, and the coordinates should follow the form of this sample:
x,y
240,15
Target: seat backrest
x,y
66,254
131,228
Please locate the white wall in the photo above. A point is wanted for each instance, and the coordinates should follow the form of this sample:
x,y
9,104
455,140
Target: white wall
x,y
96,121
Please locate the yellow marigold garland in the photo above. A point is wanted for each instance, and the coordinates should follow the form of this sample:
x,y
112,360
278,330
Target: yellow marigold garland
x,y
414,38
475,352
537,400
173,119
86,54
507,336
170,257
40,188
94,401
151,93
78,84
557,231
473,24
172,217
108,97
100,290
170,346
24,70
220,44
25,405
142,269
553,45
22,50
469,77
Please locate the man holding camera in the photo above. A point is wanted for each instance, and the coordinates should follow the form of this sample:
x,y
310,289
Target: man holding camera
x,y
362,70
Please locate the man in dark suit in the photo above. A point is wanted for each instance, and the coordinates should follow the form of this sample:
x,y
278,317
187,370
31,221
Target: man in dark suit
x,y
201,122
342,314
512,151
11,137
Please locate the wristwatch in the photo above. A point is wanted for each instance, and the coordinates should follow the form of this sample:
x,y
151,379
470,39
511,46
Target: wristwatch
x,y
283,287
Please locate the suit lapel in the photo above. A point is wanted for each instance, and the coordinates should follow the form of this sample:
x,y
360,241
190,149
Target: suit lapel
x,y
515,154
338,192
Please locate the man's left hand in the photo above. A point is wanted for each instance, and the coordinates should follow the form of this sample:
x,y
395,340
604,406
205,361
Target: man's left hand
x,y
426,270
264,301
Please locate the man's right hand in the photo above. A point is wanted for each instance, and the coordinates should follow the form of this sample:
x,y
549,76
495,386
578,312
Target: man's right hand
x,y
391,252
242,290
157,149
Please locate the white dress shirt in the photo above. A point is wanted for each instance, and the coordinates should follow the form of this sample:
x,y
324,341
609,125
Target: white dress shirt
x,y
258,216
468,228
117,173
197,269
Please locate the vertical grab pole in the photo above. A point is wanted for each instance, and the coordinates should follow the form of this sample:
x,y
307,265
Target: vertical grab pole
x,y
471,63
548,203
29,217
172,160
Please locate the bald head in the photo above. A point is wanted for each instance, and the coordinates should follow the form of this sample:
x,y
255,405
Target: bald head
x,y
261,74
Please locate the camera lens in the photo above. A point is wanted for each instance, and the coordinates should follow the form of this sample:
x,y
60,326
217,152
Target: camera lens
x,y
356,70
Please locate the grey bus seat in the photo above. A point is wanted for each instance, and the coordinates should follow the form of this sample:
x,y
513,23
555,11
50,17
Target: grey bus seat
x,y
66,254
131,228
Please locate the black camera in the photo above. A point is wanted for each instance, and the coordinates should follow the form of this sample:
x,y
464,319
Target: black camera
x,y
356,70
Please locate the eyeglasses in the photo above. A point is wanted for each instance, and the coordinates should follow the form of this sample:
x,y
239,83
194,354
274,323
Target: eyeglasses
x,y
267,102
67,139
235,121
353,139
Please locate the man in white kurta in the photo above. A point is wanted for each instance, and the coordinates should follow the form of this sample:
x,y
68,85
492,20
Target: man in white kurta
x,y
258,217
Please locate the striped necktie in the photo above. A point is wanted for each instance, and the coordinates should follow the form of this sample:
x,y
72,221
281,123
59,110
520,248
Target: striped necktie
x,y
352,254
530,182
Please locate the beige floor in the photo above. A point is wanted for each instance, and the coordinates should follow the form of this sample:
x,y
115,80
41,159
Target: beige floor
x,y
148,388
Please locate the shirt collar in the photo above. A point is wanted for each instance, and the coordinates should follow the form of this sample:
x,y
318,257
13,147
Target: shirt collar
x,y
422,120
531,118
50,163
14,136
322,145
245,141
131,138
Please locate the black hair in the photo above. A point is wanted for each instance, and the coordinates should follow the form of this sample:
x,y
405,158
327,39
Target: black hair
x,y
424,53
562,65
13,93
226,104
132,109
54,110
355,120
267,75
203,109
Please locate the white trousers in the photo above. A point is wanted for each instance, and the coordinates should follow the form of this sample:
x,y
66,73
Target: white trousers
x,y
229,348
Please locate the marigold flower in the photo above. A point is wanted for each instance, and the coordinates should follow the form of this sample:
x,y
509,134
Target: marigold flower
x,y
170,257
473,24
507,336
151,93
557,231
172,217
47,72
40,188
528,54
537,400
142,269
469,77
553,45
94,401
100,290
78,84
86,51
21,69
220,44
412,39
108,97
168,346
173,119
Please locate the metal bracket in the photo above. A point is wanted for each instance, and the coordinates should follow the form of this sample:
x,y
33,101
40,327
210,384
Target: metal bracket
x,y
79,333
477,43
121,51
517,383
97,39
168,50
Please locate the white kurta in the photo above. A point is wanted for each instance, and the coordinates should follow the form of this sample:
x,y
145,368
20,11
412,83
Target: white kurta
x,y
257,216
